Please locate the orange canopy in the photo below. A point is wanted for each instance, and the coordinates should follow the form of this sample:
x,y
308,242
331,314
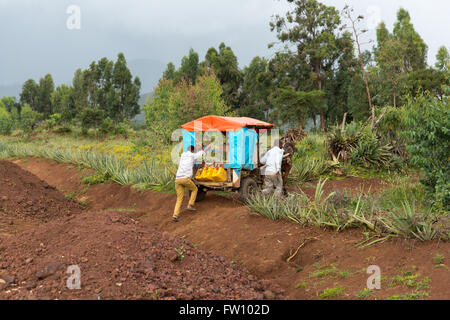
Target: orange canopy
x,y
216,123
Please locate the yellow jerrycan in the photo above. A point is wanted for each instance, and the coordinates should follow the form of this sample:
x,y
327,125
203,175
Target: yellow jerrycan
x,y
198,175
219,175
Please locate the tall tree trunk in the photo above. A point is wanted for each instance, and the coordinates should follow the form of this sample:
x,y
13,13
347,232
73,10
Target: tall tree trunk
x,y
363,70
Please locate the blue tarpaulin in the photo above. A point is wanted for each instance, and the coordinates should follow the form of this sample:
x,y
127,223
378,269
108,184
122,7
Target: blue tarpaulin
x,y
242,147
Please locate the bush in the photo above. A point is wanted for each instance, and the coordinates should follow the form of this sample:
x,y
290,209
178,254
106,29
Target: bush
x,y
107,126
369,153
91,118
6,122
429,144
28,118
54,120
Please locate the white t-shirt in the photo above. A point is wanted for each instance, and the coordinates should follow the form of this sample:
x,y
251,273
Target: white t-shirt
x,y
272,159
187,163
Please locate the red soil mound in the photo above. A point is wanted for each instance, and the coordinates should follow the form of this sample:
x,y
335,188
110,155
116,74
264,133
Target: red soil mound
x,y
119,257
25,195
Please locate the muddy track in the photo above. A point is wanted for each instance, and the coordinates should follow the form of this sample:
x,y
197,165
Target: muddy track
x,y
227,228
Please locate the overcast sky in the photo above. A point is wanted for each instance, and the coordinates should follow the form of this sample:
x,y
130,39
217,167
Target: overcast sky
x,y
35,39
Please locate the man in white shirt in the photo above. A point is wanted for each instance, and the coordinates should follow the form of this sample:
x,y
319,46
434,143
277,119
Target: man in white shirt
x,y
272,169
184,180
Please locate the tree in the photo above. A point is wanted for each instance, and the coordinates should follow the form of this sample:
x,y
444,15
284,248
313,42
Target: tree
x,y
225,65
63,103
9,103
172,105
125,100
157,115
28,118
91,118
256,89
428,136
189,67
357,33
6,121
46,88
389,56
310,27
413,45
294,104
426,81
443,59
169,73
189,102
79,94
30,94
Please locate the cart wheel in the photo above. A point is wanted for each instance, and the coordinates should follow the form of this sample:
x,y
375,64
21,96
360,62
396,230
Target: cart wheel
x,y
248,188
201,194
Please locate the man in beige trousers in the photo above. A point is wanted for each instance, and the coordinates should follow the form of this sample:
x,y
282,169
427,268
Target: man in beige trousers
x,y
184,180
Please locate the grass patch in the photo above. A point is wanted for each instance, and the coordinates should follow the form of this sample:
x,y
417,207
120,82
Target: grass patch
x,y
438,259
329,271
363,294
397,212
409,296
301,285
330,293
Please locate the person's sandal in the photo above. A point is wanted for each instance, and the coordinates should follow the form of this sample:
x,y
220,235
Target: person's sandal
x,y
191,209
176,219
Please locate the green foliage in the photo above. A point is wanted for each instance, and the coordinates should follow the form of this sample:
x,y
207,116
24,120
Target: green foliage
x,y
6,121
369,153
310,27
256,89
329,271
331,293
385,216
296,105
311,160
91,118
28,118
9,103
172,106
107,126
180,252
157,115
46,88
443,59
428,136
225,65
273,207
365,293
30,94
54,120
438,258
148,174
63,102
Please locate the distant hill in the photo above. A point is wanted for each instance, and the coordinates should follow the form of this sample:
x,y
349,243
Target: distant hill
x,y
148,70
140,118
